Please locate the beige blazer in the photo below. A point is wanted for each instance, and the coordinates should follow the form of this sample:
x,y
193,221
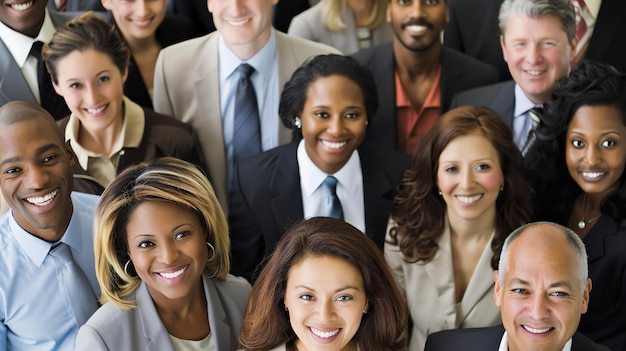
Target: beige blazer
x,y
429,291
309,25
186,87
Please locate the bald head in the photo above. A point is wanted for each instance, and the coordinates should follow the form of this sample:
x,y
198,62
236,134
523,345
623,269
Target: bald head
x,y
18,111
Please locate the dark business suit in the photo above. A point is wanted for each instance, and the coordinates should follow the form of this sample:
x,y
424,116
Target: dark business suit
x,y
499,97
79,5
459,72
13,85
473,29
172,30
488,339
267,200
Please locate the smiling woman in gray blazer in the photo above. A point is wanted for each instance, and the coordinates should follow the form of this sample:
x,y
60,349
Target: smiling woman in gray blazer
x,y
162,261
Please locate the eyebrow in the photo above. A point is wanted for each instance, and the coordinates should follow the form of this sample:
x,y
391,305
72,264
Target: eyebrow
x,y
347,287
38,151
171,231
556,284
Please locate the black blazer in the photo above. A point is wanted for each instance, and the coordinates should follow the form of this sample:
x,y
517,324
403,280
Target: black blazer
x,y
473,29
488,339
267,200
499,97
459,72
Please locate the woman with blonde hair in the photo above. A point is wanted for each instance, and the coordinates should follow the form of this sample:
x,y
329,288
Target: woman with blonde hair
x,y
348,25
162,261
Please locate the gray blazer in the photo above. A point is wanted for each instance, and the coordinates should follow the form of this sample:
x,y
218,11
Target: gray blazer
x,y
111,328
13,86
79,5
309,25
186,87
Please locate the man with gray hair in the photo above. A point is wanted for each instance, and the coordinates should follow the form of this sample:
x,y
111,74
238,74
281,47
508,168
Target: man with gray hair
x,y
541,287
538,44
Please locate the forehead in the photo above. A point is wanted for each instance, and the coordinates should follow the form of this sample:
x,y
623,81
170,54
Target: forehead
x,y
468,146
28,135
545,26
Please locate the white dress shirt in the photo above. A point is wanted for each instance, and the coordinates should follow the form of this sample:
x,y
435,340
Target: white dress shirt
x,y
504,344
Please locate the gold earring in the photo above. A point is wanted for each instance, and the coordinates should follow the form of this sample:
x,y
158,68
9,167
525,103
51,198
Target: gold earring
x,y
440,193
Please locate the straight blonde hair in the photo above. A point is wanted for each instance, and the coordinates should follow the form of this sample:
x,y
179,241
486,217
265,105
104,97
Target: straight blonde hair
x,y
331,14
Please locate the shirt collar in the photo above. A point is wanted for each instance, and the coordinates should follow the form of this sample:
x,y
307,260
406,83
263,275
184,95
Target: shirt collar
x,y
504,344
522,102
130,136
36,248
19,45
311,177
262,61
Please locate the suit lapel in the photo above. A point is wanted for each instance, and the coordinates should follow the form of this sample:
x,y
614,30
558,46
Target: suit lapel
x,y
377,195
441,272
220,329
385,118
13,86
504,103
347,38
449,74
287,64
154,331
285,194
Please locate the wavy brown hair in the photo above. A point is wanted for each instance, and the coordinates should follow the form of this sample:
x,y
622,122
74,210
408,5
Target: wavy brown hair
x,y
418,209
266,323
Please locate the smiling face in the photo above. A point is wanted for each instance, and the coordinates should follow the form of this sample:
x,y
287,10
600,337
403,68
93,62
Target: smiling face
x,y
417,24
325,298
93,88
36,177
24,16
540,297
470,177
333,121
245,25
137,19
167,245
595,148
538,54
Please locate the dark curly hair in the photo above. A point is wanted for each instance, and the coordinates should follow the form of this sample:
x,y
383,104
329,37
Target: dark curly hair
x,y
294,94
418,209
592,84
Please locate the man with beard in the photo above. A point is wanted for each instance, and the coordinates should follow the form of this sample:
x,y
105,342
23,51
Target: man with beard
x,y
416,75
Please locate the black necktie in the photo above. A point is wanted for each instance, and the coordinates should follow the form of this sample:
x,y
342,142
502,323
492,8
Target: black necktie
x,y
52,102
334,205
535,114
246,131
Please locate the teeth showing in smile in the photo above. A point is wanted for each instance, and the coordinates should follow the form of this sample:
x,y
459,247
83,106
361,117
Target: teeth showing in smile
x,y
173,274
534,73
323,334
536,331
416,28
22,7
469,199
94,111
239,23
42,200
142,22
334,145
592,174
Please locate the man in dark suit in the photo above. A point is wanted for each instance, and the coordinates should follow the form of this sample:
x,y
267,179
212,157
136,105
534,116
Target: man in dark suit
x,y
24,26
542,288
473,29
75,5
538,44
416,76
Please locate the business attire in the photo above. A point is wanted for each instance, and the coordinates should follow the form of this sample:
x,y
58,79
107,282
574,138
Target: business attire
x,y
309,25
499,97
430,293
141,328
267,200
13,84
459,72
146,135
36,311
473,29
187,87
78,5
488,339
172,30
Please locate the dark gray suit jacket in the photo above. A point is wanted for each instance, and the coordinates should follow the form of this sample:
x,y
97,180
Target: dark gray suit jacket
x,y
499,97
488,339
79,5
459,72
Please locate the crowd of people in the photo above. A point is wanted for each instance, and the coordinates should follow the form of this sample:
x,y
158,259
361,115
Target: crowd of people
x,y
300,175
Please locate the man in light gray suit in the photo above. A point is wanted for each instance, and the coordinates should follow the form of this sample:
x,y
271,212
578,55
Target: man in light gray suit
x,y
195,81
21,25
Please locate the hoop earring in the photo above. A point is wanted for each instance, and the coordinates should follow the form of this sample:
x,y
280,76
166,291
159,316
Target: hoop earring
x,y
128,263
297,122
212,251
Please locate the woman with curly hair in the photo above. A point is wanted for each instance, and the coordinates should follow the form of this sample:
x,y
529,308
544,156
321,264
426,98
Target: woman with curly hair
x,y
577,170
464,193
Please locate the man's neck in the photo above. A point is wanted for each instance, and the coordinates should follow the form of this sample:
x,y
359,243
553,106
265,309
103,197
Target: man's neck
x,y
248,50
417,63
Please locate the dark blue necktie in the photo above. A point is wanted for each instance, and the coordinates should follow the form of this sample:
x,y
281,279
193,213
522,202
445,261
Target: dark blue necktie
x,y
246,131
334,206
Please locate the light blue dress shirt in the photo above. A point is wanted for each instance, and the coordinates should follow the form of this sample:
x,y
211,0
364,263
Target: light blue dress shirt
x,y
35,312
266,86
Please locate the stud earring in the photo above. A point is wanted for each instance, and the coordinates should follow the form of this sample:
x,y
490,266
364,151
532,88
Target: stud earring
x,y
502,187
297,122
440,193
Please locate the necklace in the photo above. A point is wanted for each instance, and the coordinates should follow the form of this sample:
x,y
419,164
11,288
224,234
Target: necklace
x,y
582,224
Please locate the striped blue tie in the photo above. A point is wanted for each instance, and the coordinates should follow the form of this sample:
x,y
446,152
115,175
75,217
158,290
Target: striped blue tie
x,y
246,131
332,201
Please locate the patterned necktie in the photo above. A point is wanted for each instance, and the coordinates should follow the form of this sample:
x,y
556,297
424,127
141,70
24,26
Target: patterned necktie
x,y
332,201
535,115
49,99
246,130
76,286
62,5
581,25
